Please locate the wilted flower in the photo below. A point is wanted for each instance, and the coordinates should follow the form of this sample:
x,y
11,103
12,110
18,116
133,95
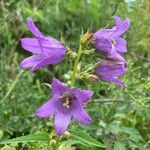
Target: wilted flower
x,y
46,50
110,73
66,103
109,42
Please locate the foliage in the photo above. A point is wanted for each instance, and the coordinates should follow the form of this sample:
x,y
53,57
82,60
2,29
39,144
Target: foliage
x,y
121,118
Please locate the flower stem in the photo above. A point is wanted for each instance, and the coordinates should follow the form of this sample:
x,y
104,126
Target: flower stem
x,y
76,62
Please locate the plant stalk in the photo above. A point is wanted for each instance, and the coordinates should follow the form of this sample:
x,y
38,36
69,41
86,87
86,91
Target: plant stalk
x,y
76,62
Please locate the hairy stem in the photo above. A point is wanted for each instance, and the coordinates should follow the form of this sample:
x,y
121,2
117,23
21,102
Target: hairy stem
x,y
76,62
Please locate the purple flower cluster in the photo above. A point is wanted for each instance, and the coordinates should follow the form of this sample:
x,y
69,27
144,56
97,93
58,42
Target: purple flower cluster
x,y
113,46
67,103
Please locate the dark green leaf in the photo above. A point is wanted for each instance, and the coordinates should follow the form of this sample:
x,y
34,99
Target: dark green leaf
x,y
40,137
84,137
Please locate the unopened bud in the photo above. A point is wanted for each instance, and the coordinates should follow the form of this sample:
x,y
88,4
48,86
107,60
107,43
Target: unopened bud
x,y
87,38
67,134
53,142
71,53
93,78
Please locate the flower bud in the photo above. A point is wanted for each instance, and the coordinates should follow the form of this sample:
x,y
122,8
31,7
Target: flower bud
x,y
92,78
87,38
71,53
53,142
67,134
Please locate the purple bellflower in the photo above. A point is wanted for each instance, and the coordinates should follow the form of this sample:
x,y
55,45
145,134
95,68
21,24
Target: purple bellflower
x,y
109,42
66,103
110,73
46,50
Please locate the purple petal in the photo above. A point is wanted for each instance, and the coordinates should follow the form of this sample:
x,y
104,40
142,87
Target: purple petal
x,y
118,21
58,88
110,73
121,26
35,31
108,48
48,61
114,80
47,109
53,41
31,45
111,70
120,45
81,116
105,33
83,95
103,45
61,122
32,61
52,46
115,56
119,82
47,46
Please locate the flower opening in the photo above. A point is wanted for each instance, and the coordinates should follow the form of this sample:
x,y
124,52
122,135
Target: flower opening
x,y
67,98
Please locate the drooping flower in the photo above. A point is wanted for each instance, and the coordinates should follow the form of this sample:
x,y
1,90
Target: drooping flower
x,y
45,50
109,42
110,73
66,103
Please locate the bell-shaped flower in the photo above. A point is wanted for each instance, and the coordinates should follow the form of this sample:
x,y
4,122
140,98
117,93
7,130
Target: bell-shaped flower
x,y
45,50
110,73
109,42
65,104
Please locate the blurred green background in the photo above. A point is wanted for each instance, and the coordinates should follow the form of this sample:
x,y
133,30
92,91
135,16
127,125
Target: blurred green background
x,y
119,125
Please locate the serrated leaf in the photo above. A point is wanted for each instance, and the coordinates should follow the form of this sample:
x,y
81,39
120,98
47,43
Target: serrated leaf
x,y
119,146
83,137
39,137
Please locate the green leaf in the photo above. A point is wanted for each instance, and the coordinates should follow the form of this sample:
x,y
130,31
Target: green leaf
x,y
133,133
67,143
113,127
39,137
83,137
119,146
